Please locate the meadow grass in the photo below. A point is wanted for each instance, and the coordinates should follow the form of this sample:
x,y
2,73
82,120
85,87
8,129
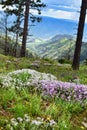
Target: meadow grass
x,y
16,103
63,72
19,103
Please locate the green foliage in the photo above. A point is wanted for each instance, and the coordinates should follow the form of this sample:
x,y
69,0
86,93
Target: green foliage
x,y
74,108
48,60
64,61
64,122
34,105
63,72
19,109
22,77
53,111
7,96
85,62
18,103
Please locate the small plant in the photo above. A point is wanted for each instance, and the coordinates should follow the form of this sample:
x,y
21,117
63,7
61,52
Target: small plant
x,y
52,110
34,105
64,122
7,96
23,77
19,109
27,123
20,80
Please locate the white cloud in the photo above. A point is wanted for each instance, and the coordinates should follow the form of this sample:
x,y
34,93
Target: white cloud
x,y
59,14
1,9
64,9
71,7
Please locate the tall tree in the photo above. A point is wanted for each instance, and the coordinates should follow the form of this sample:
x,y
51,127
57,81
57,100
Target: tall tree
x,y
26,5
4,28
17,10
76,59
25,30
16,27
34,4
6,36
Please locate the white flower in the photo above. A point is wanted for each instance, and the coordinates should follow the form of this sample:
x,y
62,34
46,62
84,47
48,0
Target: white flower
x,y
36,122
40,119
11,128
19,119
52,122
27,118
14,122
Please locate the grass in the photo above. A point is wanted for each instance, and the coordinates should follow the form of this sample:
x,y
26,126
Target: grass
x,y
23,102
17,103
62,72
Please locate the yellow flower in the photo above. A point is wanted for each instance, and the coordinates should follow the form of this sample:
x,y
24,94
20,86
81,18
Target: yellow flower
x,y
1,128
48,118
82,127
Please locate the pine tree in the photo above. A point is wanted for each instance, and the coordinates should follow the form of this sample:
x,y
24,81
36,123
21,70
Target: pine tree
x,y
25,5
76,58
4,29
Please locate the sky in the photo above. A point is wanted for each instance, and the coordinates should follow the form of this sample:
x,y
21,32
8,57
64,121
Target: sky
x,y
59,17
62,9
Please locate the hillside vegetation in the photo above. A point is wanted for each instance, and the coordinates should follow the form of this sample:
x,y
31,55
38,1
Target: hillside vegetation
x,y
57,47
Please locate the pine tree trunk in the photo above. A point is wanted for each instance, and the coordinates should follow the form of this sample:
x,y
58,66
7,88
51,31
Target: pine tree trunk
x,y
6,37
25,30
76,59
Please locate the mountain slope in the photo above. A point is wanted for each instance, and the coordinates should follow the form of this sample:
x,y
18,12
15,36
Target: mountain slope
x,y
56,47
59,46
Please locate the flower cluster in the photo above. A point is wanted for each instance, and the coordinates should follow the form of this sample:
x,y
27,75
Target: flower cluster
x,y
28,123
65,90
24,77
47,84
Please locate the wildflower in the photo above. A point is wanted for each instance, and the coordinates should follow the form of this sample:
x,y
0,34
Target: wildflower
x,y
26,118
40,119
19,119
1,128
48,118
36,122
85,124
52,122
14,122
82,127
11,128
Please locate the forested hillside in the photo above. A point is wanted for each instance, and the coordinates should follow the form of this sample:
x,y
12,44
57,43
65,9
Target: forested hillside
x,y
57,47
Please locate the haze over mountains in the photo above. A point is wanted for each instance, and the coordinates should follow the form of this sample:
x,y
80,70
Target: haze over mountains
x,y
58,47
50,27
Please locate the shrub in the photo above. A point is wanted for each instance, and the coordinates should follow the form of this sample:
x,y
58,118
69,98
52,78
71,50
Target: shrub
x,y
64,61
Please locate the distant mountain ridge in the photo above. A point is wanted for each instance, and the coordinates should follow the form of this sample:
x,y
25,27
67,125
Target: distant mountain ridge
x,y
57,47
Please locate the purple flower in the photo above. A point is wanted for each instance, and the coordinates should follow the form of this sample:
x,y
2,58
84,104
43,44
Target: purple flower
x,y
64,90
